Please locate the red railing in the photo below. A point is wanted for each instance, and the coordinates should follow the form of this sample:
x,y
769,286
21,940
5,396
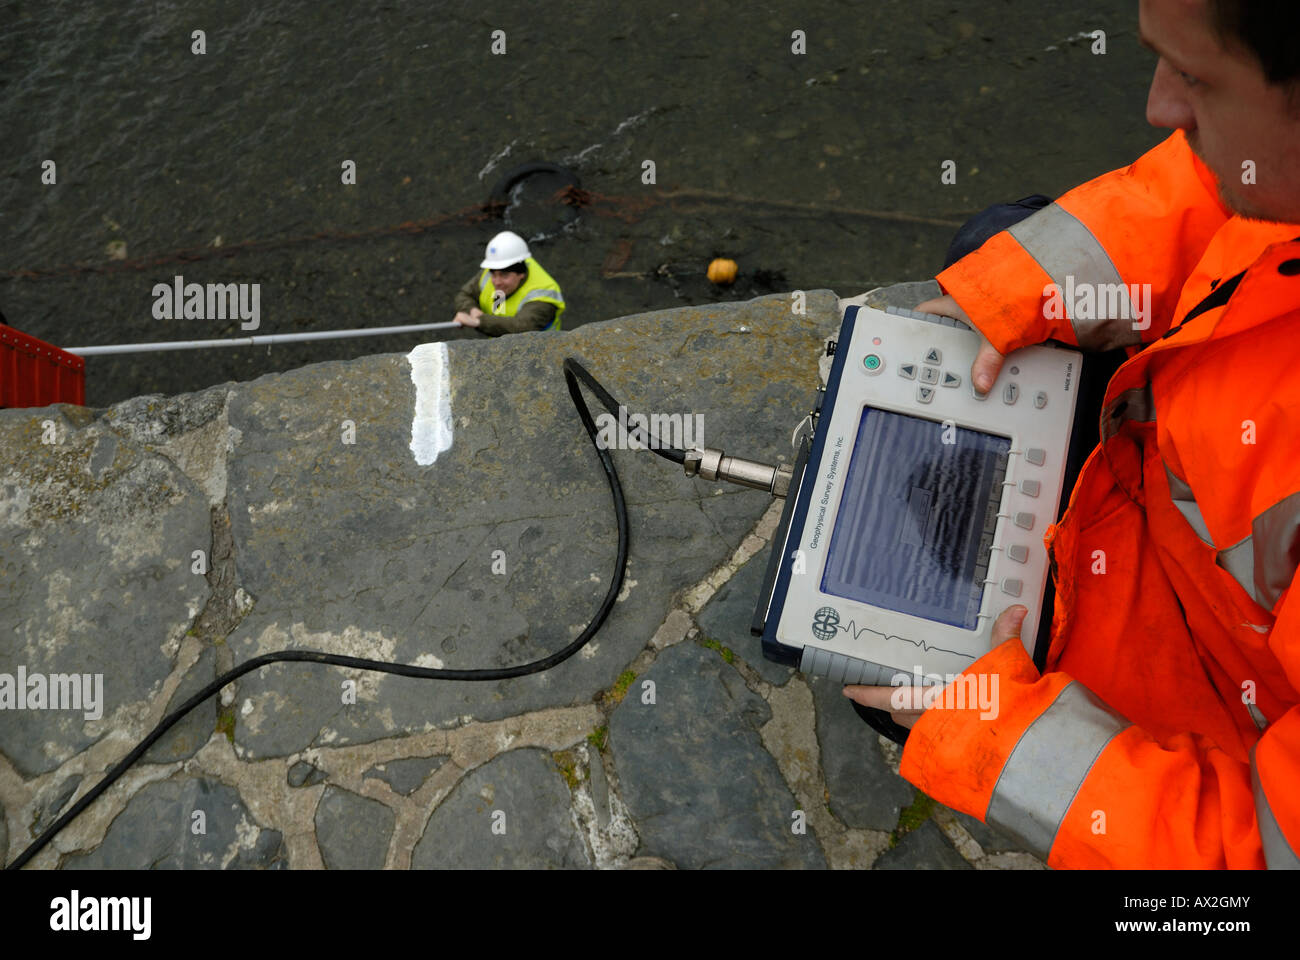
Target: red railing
x,y
34,373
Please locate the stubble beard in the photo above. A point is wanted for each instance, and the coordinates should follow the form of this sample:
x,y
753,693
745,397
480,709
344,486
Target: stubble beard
x,y
1235,202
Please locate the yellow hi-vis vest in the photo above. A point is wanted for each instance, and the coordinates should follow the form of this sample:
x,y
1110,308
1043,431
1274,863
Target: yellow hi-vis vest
x,y
538,285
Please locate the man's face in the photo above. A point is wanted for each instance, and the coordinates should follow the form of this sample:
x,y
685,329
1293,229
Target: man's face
x,y
1231,114
506,282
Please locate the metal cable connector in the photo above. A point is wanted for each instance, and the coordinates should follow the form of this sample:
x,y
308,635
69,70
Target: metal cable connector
x,y
716,465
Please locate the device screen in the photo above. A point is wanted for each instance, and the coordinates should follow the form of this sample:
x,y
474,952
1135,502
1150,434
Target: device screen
x,y
917,517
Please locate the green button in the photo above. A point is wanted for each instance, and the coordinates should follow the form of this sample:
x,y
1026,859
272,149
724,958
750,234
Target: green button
x,y
871,362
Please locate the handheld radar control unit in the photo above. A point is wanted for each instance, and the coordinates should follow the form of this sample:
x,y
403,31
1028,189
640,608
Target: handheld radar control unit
x,y
916,511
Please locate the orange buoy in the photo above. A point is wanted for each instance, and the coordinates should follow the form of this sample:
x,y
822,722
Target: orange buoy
x,y
723,272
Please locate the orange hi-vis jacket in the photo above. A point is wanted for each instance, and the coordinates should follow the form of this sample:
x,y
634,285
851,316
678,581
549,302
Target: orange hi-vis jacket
x,y
1166,730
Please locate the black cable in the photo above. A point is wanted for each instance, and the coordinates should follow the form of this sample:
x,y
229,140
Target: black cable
x,y
573,371
612,405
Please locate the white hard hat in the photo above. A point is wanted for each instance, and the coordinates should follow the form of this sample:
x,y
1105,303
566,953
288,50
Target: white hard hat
x,y
504,250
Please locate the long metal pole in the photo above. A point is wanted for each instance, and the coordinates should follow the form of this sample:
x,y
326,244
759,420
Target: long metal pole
x,y
264,340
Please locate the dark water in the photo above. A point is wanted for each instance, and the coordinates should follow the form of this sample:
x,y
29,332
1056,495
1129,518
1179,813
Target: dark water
x,y
812,163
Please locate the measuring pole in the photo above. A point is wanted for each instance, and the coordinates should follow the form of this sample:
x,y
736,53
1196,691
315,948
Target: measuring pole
x,y
264,340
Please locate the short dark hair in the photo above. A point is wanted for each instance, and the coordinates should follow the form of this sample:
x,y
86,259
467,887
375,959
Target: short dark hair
x,y
519,267
1268,29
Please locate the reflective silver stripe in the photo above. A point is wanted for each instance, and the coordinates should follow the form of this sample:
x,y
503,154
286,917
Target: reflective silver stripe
x,y
535,294
1178,489
1257,715
1239,561
1276,533
1192,514
483,280
1069,253
1186,504
1049,764
1136,404
1278,854
1264,563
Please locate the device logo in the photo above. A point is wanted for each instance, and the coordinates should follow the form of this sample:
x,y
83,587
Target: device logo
x,y
825,622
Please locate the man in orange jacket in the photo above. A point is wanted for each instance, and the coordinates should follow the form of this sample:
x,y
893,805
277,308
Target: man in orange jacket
x,y
1165,731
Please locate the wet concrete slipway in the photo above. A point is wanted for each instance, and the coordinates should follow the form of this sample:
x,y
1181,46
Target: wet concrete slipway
x,y
667,741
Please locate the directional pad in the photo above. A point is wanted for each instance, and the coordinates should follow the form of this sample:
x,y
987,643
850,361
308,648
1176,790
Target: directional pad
x,y
907,371
933,356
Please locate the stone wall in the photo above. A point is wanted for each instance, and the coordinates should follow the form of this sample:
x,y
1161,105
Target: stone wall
x,y
163,540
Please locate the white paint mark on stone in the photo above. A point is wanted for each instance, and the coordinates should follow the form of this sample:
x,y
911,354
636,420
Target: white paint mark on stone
x,y
431,427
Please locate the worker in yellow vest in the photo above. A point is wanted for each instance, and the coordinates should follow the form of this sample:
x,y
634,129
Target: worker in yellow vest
x,y
511,293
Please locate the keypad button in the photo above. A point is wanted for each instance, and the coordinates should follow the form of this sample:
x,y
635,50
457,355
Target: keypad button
x,y
930,375
872,364
1018,552
1030,488
1011,392
951,379
1012,586
925,394
907,371
1024,520
933,356
1036,456
1040,399
976,394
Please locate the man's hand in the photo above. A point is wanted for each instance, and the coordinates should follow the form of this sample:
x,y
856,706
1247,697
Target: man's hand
x,y
468,319
905,704
987,361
